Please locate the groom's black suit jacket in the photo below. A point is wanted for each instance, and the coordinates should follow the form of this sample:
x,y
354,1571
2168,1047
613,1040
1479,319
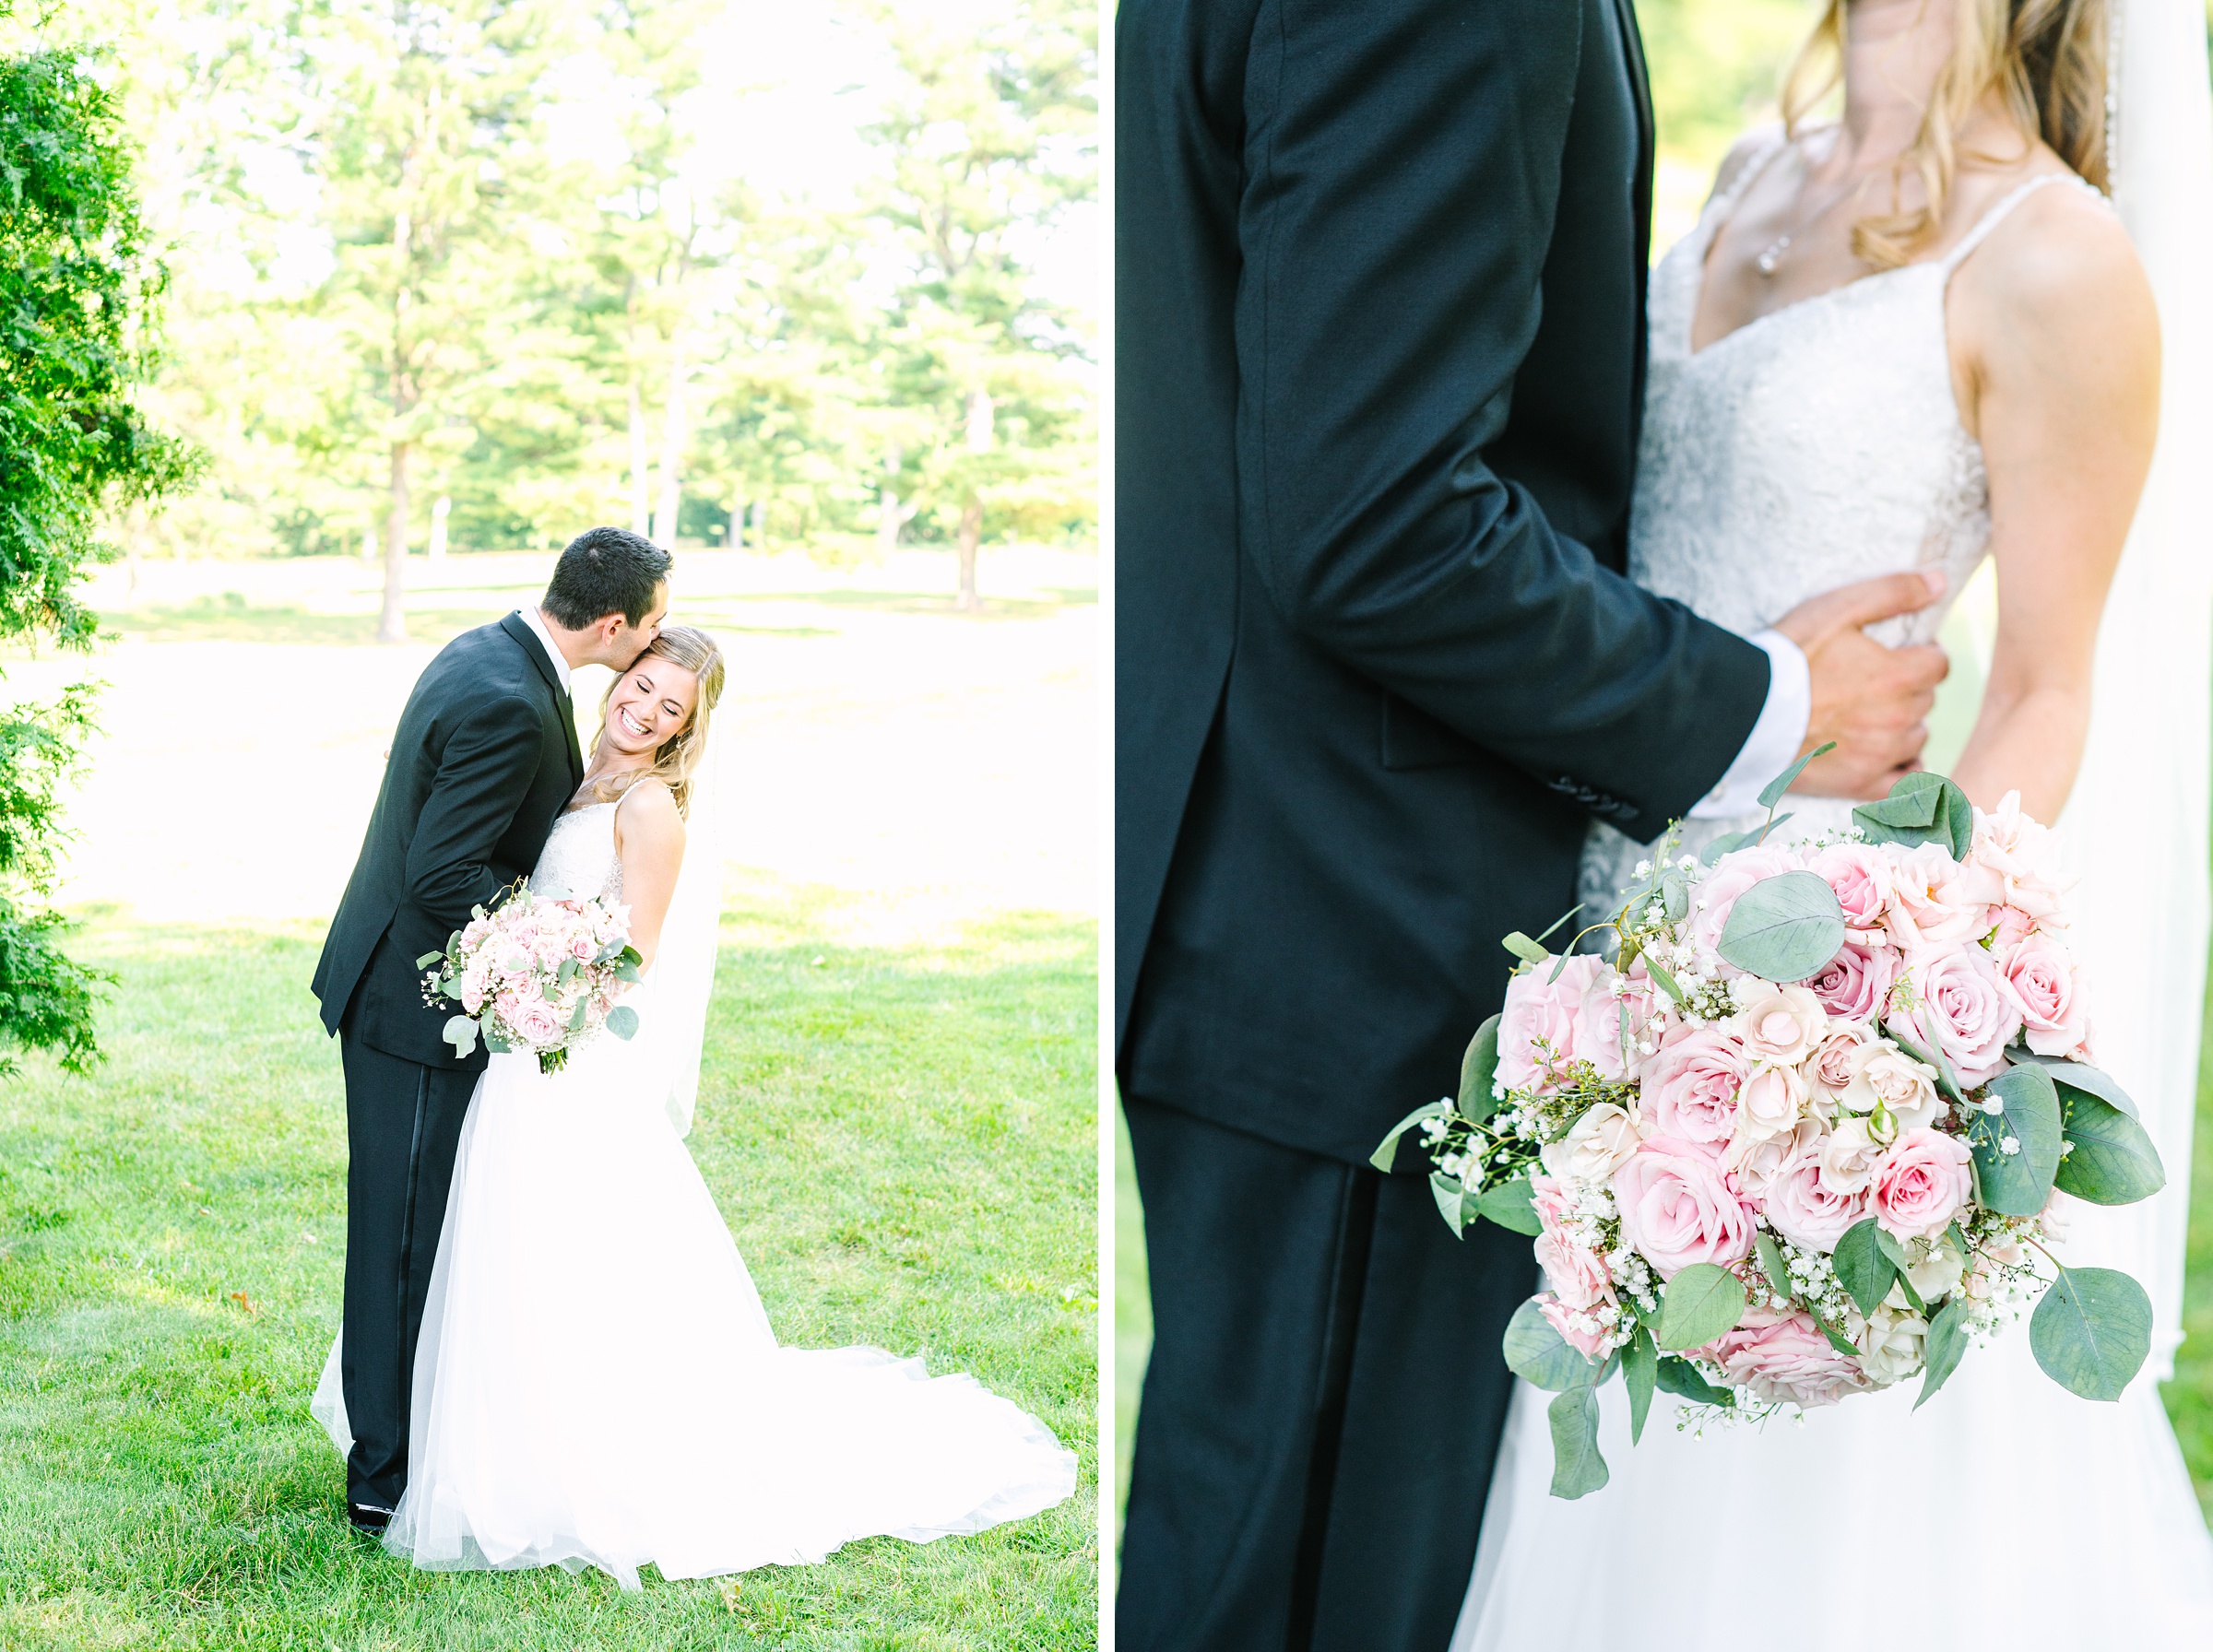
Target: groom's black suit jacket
x,y
1380,268
484,757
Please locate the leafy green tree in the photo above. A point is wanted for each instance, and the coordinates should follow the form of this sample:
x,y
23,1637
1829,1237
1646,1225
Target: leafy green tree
x,y
988,141
77,302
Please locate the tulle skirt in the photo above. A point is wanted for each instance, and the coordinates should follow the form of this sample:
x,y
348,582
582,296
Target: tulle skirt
x,y
596,1382
2006,1513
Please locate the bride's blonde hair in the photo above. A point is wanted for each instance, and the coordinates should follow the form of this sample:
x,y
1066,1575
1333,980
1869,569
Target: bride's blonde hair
x,y
2044,58
676,758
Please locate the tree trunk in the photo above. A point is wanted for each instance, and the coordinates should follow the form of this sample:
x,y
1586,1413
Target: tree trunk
x,y
736,541
439,513
669,505
639,521
393,626
891,517
972,534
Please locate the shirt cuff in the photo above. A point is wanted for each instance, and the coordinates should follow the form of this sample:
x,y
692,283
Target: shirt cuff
x,y
1773,746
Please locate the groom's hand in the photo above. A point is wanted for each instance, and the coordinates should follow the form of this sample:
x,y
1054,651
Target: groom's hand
x,y
1871,700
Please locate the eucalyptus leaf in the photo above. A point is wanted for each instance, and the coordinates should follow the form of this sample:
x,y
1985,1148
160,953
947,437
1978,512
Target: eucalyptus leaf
x,y
1863,1267
1771,1263
1387,1152
1783,928
1576,1468
1772,793
1526,950
578,1016
623,1021
1942,1349
567,971
428,958
494,1040
1681,1378
460,1032
1539,1355
627,970
2074,1074
1838,1339
1729,842
1639,1373
1478,1071
2016,1184
1451,1200
1702,1302
1661,979
2092,1331
2113,1160
1922,808
1510,1206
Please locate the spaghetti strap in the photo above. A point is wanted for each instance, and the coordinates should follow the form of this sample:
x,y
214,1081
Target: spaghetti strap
x,y
1996,215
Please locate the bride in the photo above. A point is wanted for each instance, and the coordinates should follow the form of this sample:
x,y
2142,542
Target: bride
x,y
596,1382
1919,337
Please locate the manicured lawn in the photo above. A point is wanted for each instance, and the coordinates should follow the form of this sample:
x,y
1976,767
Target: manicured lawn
x,y
901,1139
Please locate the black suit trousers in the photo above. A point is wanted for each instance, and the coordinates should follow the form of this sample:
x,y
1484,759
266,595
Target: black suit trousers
x,y
403,1124
1324,1402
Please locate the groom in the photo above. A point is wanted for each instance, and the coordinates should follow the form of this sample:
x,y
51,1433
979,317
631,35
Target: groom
x,y
483,761
1380,329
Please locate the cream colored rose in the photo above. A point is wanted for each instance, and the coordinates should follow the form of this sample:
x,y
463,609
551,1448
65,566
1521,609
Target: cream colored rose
x,y
1771,1103
1884,1074
1758,1162
1781,1025
1938,1273
1890,1344
1849,1155
1599,1144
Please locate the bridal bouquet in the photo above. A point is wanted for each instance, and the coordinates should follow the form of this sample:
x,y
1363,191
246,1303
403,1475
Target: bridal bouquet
x,y
1800,1139
535,974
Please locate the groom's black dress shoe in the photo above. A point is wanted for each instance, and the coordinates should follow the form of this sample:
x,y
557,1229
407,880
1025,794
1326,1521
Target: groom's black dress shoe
x,y
368,1517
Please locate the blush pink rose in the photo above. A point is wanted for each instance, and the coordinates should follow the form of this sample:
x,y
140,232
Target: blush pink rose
x,y
1802,1206
1716,894
2023,856
1542,1026
1589,1342
1921,1184
1549,1200
1934,901
1783,1358
2013,927
1689,1089
1965,1008
1578,1276
2048,987
1755,1164
1853,984
1860,874
1676,1209
538,1024
1830,1069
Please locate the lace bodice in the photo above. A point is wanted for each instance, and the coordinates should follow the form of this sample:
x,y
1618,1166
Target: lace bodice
x,y
579,861
1815,446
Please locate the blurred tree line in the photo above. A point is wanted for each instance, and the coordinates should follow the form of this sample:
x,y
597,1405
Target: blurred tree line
x,y
462,274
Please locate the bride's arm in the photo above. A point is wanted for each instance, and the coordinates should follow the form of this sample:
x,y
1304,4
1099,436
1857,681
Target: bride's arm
x,y
649,842
2056,354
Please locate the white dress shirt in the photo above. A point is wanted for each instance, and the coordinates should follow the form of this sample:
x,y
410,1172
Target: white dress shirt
x,y
1773,746
536,623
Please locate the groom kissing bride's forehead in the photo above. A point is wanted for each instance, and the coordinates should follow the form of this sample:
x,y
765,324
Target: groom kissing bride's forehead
x,y
483,761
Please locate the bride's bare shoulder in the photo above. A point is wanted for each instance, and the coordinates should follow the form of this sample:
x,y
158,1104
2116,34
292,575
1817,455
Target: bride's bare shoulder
x,y
649,820
2060,272
1747,150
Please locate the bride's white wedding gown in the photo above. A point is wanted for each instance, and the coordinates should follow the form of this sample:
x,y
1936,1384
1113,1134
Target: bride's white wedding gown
x,y
596,1382
1815,446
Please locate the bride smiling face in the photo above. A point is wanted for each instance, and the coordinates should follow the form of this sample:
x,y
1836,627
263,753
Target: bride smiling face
x,y
650,706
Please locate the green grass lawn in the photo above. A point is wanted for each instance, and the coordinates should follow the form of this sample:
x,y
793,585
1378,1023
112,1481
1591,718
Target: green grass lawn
x,y
901,1139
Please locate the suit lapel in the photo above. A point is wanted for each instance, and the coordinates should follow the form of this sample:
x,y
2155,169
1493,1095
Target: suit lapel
x,y
1640,199
534,652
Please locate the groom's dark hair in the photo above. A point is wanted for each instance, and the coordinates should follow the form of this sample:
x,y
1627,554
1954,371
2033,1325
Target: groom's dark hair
x,y
605,571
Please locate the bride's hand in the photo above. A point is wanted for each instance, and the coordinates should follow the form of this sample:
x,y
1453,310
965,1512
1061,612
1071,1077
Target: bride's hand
x,y
1871,700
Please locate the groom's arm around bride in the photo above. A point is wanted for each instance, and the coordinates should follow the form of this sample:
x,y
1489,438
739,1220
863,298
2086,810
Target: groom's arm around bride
x,y
1379,341
483,761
